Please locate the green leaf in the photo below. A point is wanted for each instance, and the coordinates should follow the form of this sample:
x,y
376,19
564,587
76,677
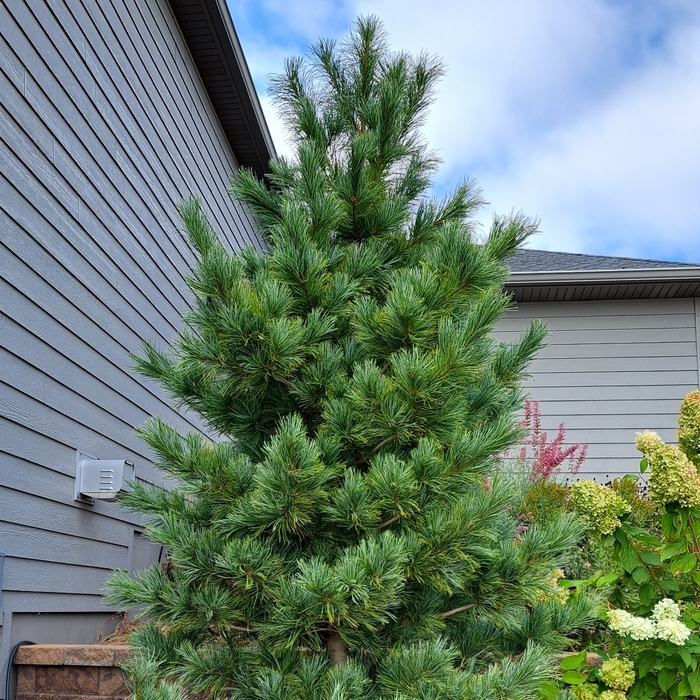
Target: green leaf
x,y
649,540
694,682
568,583
590,581
688,659
646,660
647,593
574,677
669,585
621,537
629,559
606,580
607,540
693,644
549,691
636,531
669,525
666,678
575,662
684,689
640,574
651,558
696,577
672,661
673,548
667,648
650,689
684,563
644,465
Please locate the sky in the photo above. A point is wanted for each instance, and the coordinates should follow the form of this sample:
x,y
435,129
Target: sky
x,y
582,113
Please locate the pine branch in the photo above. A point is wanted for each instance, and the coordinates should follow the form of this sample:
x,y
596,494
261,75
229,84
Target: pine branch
x,y
456,611
382,444
379,447
386,524
282,380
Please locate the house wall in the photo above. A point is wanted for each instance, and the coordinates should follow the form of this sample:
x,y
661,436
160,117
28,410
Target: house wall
x,y
104,128
609,370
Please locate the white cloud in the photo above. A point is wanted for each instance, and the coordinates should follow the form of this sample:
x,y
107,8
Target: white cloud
x,y
624,177
586,114
513,67
278,131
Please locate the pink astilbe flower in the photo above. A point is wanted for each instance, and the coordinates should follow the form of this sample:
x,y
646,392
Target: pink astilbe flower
x,y
547,457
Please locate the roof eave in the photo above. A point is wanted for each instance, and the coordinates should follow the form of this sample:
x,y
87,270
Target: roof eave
x,y
249,94
605,285
627,276
211,37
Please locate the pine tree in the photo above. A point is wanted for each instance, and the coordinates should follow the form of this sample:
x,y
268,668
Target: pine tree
x,y
349,536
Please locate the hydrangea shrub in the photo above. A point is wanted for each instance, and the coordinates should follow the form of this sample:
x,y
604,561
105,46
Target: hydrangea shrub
x,y
673,478
655,593
598,506
618,673
689,427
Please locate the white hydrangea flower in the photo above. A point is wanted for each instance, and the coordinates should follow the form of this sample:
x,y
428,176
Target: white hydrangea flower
x,y
664,624
639,628
672,631
612,695
666,609
625,623
618,620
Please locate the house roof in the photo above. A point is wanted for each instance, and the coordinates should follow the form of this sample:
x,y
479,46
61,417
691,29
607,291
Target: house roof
x,y
212,40
527,260
539,275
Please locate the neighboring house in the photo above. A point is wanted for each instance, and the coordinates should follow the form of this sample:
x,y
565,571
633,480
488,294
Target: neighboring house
x,y
111,113
622,352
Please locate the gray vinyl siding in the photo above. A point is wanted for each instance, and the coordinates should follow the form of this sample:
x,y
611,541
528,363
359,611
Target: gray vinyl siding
x,y
611,369
104,128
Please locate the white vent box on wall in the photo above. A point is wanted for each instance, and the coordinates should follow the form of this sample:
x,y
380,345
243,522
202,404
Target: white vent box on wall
x,y
100,478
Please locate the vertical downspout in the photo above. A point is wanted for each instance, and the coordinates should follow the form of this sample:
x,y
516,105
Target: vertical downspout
x,y
2,564
5,630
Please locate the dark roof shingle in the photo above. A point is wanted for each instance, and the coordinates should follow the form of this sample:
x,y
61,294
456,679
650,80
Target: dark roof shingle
x,y
528,260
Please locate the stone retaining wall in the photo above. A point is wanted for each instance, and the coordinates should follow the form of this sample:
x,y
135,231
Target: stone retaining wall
x,y
70,672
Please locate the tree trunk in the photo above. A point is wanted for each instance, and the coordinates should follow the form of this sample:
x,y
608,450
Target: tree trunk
x,y
336,648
